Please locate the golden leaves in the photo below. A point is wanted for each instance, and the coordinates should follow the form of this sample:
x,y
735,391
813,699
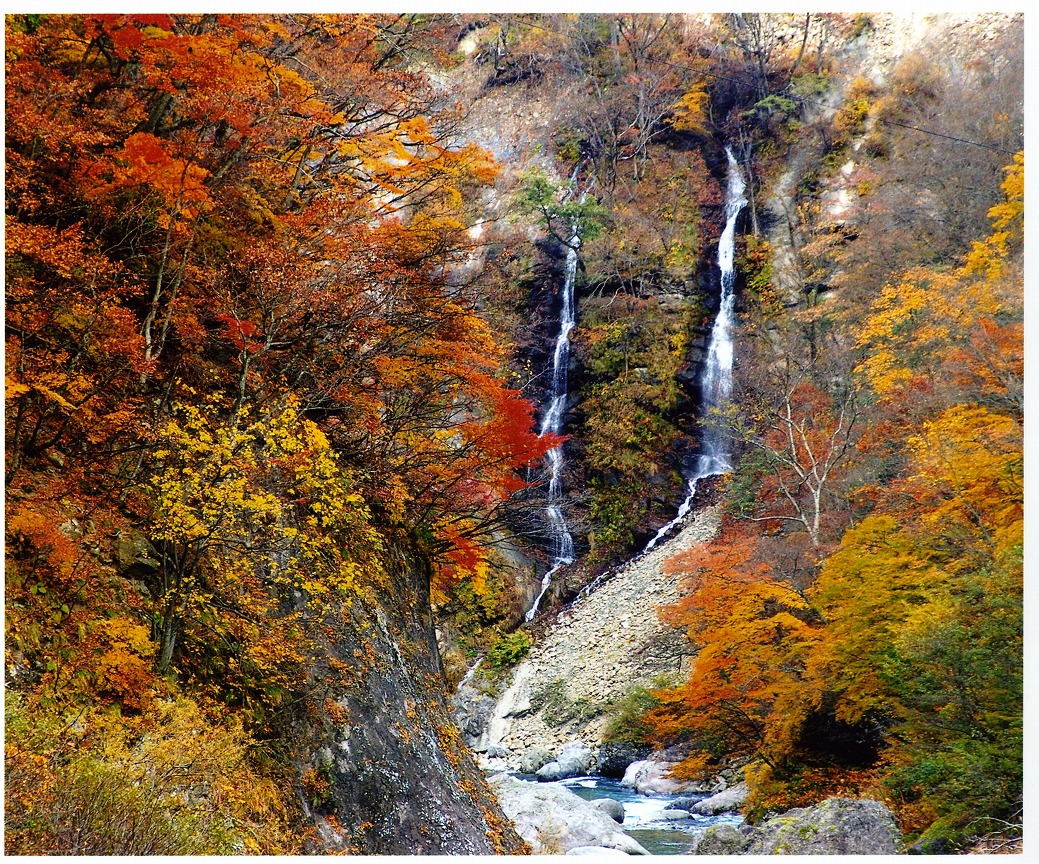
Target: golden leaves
x,y
1009,216
968,471
690,111
920,325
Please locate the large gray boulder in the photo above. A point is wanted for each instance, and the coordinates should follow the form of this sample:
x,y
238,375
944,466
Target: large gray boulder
x,y
650,776
575,760
614,758
685,803
722,840
534,759
553,820
837,826
728,801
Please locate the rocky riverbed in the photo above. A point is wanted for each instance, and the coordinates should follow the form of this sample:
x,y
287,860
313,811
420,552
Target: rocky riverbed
x,y
551,713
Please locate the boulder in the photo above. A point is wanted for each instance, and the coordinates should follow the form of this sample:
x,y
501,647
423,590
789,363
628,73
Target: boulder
x,y
673,815
132,550
632,771
594,850
721,840
685,803
837,826
932,846
574,760
472,712
649,776
728,801
533,759
614,758
494,759
611,807
554,820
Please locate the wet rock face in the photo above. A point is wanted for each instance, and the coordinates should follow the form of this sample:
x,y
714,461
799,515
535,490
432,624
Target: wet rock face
x,y
472,711
615,757
382,767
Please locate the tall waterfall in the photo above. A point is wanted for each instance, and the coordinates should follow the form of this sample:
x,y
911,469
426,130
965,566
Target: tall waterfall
x,y
716,378
562,541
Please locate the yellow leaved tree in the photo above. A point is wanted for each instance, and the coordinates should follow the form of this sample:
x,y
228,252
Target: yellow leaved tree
x,y
233,545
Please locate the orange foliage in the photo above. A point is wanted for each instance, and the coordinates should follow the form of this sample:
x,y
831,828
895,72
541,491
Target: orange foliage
x,y
908,633
747,691
234,333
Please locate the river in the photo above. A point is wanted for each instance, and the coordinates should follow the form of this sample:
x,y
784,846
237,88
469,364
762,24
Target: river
x,y
646,817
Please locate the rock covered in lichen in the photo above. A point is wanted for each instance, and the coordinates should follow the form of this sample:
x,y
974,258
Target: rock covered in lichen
x,y
837,826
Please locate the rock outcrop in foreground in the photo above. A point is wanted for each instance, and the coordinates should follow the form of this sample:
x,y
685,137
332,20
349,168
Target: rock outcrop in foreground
x,y
384,769
837,826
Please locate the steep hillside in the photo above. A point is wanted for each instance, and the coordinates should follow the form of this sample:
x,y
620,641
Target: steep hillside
x,y
568,688
884,195
252,426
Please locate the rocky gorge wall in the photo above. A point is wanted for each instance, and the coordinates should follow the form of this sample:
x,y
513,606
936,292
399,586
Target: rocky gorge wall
x,y
384,769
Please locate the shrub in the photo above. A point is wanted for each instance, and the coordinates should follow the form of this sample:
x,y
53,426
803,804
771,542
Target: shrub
x,y
507,651
96,812
175,781
559,708
627,725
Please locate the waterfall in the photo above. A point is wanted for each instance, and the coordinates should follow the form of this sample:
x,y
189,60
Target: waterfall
x,y
716,378
469,675
562,541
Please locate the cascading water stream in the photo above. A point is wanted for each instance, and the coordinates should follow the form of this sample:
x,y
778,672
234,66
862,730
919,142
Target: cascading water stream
x,y
562,541
716,378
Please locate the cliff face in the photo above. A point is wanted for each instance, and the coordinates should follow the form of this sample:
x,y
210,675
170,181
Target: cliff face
x,y
644,289
383,768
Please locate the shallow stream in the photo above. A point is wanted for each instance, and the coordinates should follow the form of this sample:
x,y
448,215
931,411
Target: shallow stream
x,y
646,817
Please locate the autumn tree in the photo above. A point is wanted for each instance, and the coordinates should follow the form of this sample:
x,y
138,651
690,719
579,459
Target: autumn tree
x,y
923,609
747,696
267,211
879,650
636,69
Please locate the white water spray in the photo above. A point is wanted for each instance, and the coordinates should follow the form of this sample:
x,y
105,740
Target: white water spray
x,y
716,378
469,675
562,541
